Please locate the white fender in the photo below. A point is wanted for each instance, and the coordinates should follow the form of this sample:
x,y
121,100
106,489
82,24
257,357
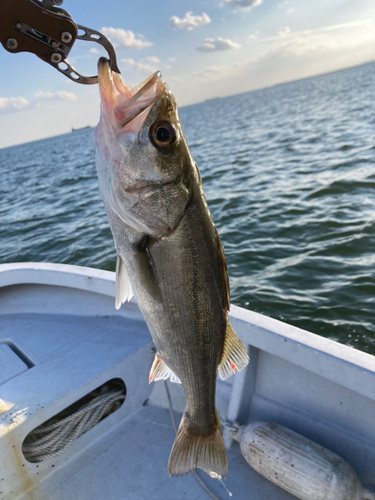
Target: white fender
x,y
300,466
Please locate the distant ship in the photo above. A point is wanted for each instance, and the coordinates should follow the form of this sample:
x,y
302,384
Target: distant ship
x,y
75,129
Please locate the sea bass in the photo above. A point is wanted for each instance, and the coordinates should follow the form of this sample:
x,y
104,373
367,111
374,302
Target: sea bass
x,y
169,255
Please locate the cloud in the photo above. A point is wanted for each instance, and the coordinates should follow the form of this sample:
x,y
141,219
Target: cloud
x,y
298,55
215,73
211,45
152,60
334,27
123,39
243,4
304,53
189,21
301,46
284,31
94,51
147,65
211,72
254,36
351,24
284,59
13,103
62,95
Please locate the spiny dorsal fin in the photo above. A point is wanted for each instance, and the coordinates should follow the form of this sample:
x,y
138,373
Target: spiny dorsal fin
x,y
160,371
123,286
234,356
224,275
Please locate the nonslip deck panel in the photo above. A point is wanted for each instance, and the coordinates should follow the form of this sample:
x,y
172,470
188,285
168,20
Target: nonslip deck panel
x,y
62,322
131,463
41,336
73,356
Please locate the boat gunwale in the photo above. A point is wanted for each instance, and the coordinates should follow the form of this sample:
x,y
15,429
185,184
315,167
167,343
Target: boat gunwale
x,y
339,363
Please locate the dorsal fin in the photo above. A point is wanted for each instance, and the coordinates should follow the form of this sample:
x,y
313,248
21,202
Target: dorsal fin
x,y
160,371
123,286
234,355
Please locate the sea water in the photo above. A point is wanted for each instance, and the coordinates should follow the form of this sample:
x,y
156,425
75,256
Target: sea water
x,y
289,176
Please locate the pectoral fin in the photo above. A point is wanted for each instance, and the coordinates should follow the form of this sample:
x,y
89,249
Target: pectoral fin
x,y
146,269
160,371
234,356
123,286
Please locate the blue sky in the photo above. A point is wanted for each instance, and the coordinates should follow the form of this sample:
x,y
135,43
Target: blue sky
x,y
204,49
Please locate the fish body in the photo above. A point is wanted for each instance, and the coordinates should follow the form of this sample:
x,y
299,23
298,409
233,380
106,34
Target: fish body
x,y
169,255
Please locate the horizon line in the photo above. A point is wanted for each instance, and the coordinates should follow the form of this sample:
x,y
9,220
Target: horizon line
x,y
214,98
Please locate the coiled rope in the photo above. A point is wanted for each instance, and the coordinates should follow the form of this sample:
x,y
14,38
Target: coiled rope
x,y
52,438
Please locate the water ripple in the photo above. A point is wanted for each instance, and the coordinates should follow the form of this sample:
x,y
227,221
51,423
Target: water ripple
x,y
289,177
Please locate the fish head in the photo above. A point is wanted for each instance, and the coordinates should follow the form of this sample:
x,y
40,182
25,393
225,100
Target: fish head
x,y
140,148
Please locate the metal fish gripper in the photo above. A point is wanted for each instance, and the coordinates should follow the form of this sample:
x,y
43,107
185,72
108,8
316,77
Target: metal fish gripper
x,y
44,29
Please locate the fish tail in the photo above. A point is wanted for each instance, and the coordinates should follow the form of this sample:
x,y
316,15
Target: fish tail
x,y
197,451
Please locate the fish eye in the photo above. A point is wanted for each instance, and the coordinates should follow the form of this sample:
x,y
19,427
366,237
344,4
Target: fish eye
x,y
162,134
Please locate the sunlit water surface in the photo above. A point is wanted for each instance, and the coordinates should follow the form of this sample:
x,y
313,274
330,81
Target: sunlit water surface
x,y
289,175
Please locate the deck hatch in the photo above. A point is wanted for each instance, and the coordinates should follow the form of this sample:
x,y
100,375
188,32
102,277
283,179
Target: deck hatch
x,y
10,364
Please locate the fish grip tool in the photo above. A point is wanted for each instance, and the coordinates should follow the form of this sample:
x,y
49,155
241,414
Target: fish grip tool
x,y
42,28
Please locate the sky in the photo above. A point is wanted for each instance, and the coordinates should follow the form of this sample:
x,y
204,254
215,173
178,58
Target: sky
x,y
204,49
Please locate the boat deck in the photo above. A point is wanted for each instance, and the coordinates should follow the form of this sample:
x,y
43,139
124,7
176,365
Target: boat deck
x,y
130,462
124,456
61,338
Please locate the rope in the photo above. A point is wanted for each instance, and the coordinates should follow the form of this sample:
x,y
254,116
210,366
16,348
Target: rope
x,y
51,439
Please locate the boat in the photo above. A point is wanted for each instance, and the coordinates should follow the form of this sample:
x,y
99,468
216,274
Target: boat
x,y
77,129
63,347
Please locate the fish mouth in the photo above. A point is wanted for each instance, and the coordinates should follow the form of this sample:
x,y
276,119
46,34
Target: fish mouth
x,y
124,107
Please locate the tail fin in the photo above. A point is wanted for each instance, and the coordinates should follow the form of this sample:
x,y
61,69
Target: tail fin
x,y
194,451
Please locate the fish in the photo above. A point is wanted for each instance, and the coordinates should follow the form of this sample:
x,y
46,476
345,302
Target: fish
x,y
169,255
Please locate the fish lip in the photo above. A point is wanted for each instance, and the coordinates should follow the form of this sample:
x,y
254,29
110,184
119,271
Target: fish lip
x,y
109,81
123,105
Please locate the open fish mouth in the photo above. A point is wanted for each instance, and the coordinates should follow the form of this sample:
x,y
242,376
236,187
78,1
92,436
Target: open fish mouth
x,y
126,108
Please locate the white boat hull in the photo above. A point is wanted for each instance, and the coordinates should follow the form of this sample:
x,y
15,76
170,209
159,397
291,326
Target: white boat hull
x,y
61,324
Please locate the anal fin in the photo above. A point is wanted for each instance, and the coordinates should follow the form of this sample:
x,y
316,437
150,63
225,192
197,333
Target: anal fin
x,y
123,286
234,356
160,371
